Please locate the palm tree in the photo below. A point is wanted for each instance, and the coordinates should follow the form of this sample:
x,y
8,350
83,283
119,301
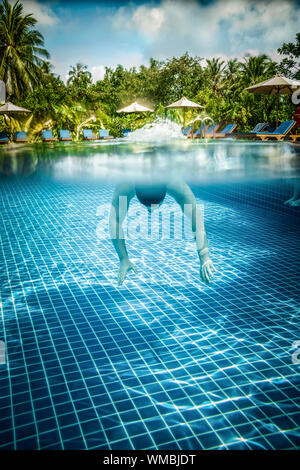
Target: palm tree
x,y
215,66
21,49
290,64
232,69
215,69
232,79
78,74
255,68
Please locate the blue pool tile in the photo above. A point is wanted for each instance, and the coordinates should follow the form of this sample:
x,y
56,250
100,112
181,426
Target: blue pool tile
x,y
143,442
164,361
123,444
6,439
209,440
29,443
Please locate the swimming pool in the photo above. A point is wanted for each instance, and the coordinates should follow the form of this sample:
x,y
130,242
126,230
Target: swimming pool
x,y
163,361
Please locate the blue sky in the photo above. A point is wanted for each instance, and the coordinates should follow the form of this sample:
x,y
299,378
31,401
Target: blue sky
x,y
106,33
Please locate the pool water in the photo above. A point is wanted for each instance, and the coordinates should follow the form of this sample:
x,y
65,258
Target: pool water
x,y
163,361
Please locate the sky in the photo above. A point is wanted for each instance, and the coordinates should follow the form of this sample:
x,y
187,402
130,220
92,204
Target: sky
x,y
108,33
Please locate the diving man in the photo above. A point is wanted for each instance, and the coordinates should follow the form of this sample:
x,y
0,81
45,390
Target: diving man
x,y
152,196
294,201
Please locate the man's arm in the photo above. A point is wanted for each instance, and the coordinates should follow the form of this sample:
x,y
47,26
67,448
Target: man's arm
x,y
184,196
119,208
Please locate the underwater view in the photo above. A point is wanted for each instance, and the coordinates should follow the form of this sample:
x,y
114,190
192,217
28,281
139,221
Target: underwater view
x,y
164,334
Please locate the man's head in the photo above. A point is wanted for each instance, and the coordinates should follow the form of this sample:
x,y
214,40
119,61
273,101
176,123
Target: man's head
x,y
151,196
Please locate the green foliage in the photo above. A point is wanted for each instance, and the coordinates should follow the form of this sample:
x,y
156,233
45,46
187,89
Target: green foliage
x,y
290,65
79,82
79,103
21,49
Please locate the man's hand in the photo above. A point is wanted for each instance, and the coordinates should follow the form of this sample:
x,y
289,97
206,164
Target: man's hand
x,y
206,270
125,266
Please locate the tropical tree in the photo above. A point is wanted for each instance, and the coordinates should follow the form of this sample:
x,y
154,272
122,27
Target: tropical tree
x,y
79,81
78,74
255,68
49,93
232,79
215,68
22,50
232,72
290,65
217,84
179,76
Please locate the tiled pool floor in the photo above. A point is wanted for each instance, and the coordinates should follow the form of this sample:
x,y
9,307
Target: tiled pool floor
x,y
163,362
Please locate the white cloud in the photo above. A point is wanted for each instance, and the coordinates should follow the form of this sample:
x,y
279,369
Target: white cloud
x,y
144,19
98,72
148,20
271,21
41,12
228,28
131,34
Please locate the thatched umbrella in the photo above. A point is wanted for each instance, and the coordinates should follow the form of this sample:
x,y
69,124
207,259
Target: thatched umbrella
x,y
278,85
135,108
184,104
10,109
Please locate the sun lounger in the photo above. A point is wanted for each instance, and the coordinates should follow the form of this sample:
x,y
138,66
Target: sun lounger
x,y
64,135
88,134
211,131
226,132
187,130
104,134
279,134
294,137
3,138
48,136
261,126
20,136
198,132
